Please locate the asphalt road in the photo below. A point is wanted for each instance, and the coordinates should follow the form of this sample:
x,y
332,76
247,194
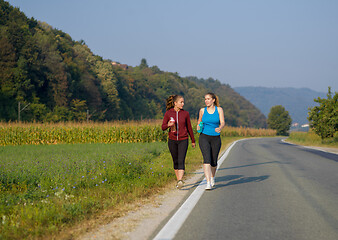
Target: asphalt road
x,y
267,189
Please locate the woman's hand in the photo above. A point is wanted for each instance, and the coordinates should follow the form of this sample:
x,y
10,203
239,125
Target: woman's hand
x,y
193,145
218,130
171,123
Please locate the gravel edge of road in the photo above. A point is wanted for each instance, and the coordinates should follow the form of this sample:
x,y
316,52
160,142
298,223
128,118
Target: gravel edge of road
x,y
143,222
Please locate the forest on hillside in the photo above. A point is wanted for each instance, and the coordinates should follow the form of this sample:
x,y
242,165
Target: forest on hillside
x,y
60,79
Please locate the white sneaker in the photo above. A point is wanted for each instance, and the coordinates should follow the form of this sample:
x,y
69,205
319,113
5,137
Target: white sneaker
x,y
212,182
208,187
179,184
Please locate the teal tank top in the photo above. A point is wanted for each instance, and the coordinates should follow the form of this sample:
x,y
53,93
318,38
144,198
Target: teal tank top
x,y
210,122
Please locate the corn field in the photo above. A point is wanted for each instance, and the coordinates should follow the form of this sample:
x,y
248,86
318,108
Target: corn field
x,y
228,131
71,133
112,132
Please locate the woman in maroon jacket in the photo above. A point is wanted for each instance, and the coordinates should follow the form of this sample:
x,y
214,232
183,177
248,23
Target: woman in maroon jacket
x,y
178,122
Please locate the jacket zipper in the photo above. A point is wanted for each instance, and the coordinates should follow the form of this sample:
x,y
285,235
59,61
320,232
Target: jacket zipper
x,y
177,124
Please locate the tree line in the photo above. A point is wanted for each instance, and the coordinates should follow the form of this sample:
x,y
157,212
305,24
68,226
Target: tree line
x,y
62,80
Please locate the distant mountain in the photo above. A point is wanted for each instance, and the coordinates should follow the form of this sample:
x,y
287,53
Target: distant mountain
x,y
295,100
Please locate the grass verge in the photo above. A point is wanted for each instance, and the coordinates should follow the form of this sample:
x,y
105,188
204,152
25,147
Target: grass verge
x,y
311,139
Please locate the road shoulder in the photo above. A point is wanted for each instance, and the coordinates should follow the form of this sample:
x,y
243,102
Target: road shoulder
x,y
142,222
324,149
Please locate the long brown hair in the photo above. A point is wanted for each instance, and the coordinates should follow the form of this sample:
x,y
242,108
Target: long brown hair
x,y
171,101
213,96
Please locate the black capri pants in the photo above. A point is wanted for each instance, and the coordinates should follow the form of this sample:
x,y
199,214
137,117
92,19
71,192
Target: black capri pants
x,y
210,147
178,150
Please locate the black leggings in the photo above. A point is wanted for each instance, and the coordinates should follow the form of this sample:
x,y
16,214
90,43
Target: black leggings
x,y
210,147
178,150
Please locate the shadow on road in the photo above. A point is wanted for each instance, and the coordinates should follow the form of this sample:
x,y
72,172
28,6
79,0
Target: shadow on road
x,y
327,155
240,178
230,179
190,186
250,165
237,179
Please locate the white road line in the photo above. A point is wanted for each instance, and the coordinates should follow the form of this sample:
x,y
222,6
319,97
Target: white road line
x,y
176,221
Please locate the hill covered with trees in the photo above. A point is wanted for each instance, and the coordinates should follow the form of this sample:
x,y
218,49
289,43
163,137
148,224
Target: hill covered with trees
x,y
62,80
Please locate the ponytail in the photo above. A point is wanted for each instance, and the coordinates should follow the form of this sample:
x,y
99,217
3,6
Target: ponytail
x,y
213,96
216,101
171,101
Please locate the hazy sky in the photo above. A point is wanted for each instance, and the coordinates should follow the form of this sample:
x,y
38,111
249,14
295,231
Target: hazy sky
x,y
272,43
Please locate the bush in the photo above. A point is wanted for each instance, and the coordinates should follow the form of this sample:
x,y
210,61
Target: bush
x,y
280,120
324,118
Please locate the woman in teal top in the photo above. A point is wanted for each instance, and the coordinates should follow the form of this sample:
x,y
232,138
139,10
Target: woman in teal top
x,y
210,122
212,119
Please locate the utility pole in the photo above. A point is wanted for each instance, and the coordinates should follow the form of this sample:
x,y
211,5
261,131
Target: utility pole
x,y
89,115
20,110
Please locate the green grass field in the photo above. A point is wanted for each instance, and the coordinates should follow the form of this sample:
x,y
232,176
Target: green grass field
x,y
43,188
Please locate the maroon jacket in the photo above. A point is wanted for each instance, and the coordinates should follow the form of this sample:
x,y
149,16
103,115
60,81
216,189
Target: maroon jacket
x,y
183,126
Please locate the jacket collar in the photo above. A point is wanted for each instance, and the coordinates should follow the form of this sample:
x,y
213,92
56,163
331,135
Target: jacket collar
x,y
173,110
